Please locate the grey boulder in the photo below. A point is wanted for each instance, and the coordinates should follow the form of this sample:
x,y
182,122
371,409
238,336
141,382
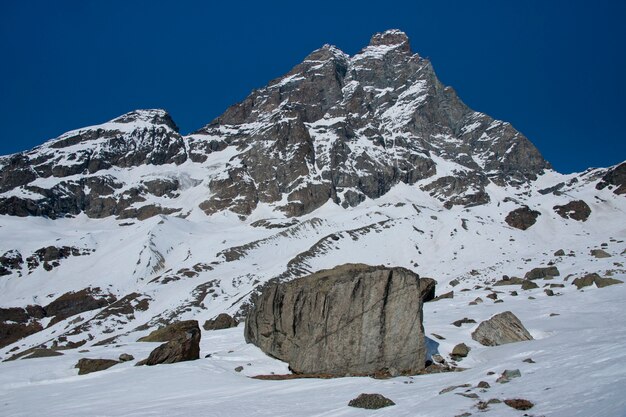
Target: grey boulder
x,y
501,329
353,319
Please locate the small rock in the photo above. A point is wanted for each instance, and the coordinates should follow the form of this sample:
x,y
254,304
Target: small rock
x,y
463,415
514,293
87,366
538,273
471,395
437,336
605,282
599,253
371,401
529,285
125,357
559,252
460,351
239,369
454,282
498,301
494,401
508,375
549,293
453,387
464,320
438,358
528,360
483,384
492,296
222,321
519,404
554,314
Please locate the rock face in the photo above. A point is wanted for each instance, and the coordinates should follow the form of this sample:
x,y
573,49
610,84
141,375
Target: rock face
x,y
590,279
522,218
577,210
615,177
222,321
501,329
427,288
352,319
349,128
183,343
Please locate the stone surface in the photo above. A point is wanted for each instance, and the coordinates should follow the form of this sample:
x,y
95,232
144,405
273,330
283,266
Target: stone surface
x,y
590,279
600,253
87,366
178,350
522,218
508,375
174,331
542,272
72,303
371,401
501,329
577,210
529,285
352,319
615,177
125,357
427,288
460,351
519,404
222,321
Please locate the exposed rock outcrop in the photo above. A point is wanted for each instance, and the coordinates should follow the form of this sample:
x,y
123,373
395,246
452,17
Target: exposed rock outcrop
x,y
522,218
352,319
501,329
542,273
615,177
577,210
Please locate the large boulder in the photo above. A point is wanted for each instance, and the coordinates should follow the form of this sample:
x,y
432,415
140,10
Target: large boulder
x,y
352,319
501,329
522,218
183,343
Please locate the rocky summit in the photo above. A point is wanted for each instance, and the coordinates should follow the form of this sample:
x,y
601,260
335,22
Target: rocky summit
x,y
308,211
334,127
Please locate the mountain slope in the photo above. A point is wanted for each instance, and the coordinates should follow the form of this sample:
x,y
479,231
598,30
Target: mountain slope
x,y
113,230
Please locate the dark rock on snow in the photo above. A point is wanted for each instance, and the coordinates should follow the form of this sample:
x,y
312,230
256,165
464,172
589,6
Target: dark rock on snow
x,y
222,321
519,404
577,210
600,253
87,366
352,319
371,401
522,218
540,273
183,343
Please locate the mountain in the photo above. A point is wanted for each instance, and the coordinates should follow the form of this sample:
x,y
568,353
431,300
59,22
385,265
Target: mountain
x,y
110,231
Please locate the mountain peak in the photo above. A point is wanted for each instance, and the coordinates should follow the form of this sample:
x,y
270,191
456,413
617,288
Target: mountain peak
x,y
152,116
391,37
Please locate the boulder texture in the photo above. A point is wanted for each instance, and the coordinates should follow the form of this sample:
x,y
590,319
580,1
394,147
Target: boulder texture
x,y
614,177
501,329
353,319
371,401
183,343
522,218
577,210
427,288
542,273
222,321
87,366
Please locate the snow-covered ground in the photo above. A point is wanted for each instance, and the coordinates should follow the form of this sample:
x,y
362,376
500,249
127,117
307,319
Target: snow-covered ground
x,y
580,353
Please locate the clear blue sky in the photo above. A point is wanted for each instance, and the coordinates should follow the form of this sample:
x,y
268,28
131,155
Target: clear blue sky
x,y
555,70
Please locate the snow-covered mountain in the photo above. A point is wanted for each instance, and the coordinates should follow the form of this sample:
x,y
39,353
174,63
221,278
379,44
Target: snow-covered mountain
x,y
112,230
